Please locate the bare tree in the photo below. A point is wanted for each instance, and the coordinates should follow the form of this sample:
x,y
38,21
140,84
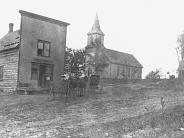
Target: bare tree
x,y
180,48
180,52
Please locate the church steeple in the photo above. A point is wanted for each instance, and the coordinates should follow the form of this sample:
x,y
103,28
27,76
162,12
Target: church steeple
x,y
96,27
95,35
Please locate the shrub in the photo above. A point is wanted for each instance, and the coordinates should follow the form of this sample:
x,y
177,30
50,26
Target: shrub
x,y
154,75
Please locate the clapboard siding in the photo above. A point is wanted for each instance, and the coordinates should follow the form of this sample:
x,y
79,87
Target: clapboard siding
x,y
9,61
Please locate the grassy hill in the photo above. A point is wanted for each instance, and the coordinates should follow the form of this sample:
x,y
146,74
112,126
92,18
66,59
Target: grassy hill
x,y
127,111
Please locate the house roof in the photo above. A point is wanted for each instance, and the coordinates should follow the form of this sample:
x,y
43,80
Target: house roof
x,y
10,40
43,18
121,58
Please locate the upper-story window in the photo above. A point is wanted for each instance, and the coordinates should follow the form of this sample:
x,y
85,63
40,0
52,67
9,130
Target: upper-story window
x,y
1,72
43,48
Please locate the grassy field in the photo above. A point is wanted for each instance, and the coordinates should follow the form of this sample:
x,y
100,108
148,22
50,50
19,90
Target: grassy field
x,y
119,111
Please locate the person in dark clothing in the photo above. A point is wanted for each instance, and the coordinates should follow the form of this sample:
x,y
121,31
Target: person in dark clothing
x,y
83,80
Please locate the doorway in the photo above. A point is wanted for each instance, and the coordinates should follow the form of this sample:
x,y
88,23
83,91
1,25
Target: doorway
x,y
42,72
45,75
42,79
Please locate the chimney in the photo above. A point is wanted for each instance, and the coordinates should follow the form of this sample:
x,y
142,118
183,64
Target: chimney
x,y
10,27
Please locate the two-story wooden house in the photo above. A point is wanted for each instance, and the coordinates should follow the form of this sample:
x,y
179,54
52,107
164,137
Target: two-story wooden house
x,y
34,54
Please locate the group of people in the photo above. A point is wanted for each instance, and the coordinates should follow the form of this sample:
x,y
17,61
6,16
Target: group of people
x,y
75,84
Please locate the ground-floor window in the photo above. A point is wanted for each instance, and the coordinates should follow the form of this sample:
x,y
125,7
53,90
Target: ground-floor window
x,y
1,72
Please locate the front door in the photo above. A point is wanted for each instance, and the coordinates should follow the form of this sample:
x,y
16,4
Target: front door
x,y
42,73
42,78
45,75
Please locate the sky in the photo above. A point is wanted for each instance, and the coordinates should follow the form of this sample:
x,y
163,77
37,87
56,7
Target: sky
x,y
148,29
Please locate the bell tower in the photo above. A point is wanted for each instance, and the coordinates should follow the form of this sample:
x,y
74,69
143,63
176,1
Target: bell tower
x,y
94,44
95,35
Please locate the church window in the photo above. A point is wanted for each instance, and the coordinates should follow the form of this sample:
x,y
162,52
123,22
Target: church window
x,y
1,72
128,72
118,70
123,71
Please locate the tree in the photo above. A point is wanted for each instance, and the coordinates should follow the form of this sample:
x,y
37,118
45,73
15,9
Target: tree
x,y
78,61
74,61
154,74
67,60
180,48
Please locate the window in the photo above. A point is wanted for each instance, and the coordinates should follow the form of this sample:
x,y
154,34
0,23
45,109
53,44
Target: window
x,y
43,48
1,72
118,68
47,49
129,75
127,70
34,71
49,71
40,48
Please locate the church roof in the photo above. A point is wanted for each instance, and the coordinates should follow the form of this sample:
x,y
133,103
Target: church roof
x,y
121,58
96,27
10,40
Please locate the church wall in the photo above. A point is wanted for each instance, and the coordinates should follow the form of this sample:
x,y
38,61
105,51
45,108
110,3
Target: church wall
x,y
117,71
121,71
106,72
140,73
110,71
131,76
113,71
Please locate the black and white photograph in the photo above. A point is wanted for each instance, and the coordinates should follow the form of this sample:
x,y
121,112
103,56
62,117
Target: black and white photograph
x,y
92,69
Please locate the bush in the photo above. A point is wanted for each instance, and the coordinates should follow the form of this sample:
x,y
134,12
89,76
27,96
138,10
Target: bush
x,y
154,75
